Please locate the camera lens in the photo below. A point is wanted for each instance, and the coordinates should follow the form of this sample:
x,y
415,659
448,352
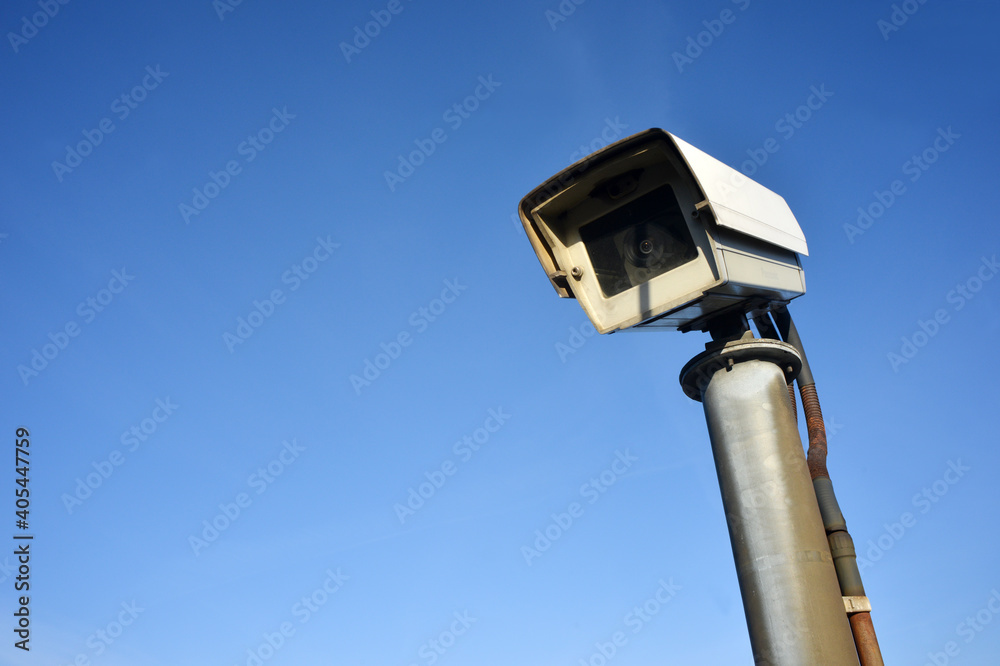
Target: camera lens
x,y
638,241
644,244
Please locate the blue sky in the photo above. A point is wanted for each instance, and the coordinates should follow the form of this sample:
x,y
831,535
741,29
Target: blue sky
x,y
201,246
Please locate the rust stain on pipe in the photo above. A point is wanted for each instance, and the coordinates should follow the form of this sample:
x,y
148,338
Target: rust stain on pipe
x,y
816,455
864,639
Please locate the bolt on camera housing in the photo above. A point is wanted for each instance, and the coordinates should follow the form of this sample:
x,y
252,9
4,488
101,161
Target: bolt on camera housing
x,y
651,232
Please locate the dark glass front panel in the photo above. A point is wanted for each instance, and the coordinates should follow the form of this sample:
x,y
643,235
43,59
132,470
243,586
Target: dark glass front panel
x,y
638,241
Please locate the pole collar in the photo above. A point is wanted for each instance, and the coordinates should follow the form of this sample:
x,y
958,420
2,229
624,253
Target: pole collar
x,y
698,372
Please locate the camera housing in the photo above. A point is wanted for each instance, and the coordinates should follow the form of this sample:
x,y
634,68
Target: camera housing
x,y
650,232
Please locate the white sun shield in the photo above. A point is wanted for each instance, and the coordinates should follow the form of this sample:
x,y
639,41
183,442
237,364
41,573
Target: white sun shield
x,y
741,204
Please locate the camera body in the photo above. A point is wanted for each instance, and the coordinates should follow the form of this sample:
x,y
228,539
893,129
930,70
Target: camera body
x,y
650,232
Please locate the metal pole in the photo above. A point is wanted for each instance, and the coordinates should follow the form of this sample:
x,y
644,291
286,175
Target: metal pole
x,y
794,609
841,544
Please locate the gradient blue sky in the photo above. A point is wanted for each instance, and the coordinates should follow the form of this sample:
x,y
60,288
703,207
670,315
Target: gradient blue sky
x,y
307,211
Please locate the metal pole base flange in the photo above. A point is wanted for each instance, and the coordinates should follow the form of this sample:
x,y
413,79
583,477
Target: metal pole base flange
x,y
697,372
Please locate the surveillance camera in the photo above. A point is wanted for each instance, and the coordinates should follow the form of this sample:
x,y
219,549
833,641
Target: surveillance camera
x,y
652,232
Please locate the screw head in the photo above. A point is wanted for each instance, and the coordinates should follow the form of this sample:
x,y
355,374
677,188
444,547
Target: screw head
x,y
577,272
